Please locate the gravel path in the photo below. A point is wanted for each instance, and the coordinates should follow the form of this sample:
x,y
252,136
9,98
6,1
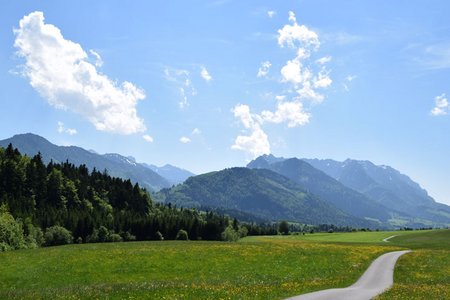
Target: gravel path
x,y
377,278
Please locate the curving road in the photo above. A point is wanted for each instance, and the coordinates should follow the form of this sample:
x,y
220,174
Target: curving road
x,y
377,278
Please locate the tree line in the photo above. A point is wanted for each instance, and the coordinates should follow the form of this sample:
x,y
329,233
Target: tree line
x,y
60,203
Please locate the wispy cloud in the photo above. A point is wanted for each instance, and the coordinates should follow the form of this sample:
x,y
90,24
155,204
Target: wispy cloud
x,y
271,13
60,71
182,80
431,57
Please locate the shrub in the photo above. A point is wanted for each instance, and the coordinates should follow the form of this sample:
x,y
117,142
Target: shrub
x,y
11,231
57,235
114,237
127,236
182,235
230,235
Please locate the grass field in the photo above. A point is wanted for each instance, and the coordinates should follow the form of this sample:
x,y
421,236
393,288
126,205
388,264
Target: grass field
x,y
424,273
254,268
261,269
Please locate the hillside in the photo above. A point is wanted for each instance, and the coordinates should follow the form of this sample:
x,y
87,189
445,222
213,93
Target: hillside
x,y
324,186
263,193
116,165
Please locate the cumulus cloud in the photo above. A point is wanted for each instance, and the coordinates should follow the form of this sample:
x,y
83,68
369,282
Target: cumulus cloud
x,y
271,13
63,129
299,71
441,106
60,71
264,69
257,142
294,35
290,112
295,73
205,74
322,80
147,138
185,140
305,78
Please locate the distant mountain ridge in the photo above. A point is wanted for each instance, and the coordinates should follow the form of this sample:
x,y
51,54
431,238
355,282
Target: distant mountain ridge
x,y
388,187
324,186
263,193
173,174
115,164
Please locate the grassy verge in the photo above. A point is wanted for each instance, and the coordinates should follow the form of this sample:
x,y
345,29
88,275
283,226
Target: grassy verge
x,y
253,269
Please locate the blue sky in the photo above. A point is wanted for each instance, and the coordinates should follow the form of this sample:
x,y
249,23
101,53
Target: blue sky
x,y
206,85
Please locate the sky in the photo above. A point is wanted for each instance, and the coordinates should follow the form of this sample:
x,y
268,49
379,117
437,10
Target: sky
x,y
206,85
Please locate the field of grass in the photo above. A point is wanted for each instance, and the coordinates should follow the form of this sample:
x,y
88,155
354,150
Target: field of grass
x,y
424,273
254,269
373,237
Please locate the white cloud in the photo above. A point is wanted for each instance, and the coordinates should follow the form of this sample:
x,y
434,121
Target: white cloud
x,y
98,59
264,69
147,138
271,13
295,73
71,131
322,80
62,129
304,77
441,106
181,79
185,140
290,112
60,71
257,142
196,131
205,74
307,92
350,78
323,60
297,35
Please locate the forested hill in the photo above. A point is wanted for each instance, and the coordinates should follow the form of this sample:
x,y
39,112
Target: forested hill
x,y
93,206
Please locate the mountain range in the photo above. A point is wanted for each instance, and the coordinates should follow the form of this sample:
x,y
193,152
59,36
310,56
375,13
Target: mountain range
x,y
116,165
349,193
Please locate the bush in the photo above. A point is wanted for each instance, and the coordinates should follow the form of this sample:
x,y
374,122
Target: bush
x,y
230,235
103,234
57,235
11,231
114,237
127,236
182,235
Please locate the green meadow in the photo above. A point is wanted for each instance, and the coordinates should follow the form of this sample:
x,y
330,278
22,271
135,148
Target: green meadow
x,y
253,268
